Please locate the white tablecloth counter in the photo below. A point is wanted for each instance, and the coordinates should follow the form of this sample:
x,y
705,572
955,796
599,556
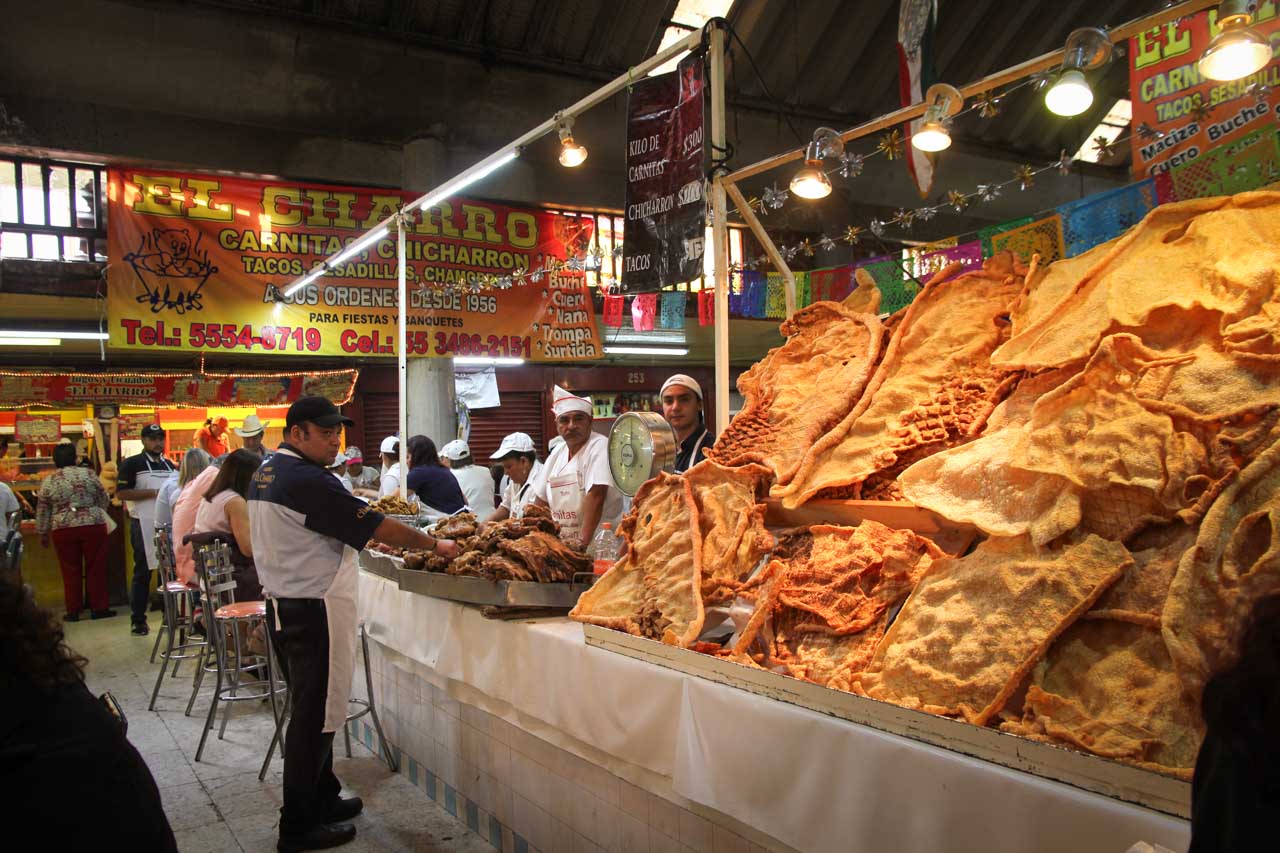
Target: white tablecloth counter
x,y
811,781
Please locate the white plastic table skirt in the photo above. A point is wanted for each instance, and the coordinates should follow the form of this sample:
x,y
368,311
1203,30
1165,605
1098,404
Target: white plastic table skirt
x,y
811,781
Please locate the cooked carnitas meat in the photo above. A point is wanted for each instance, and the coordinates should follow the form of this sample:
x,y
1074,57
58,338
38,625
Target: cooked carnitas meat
x,y
514,549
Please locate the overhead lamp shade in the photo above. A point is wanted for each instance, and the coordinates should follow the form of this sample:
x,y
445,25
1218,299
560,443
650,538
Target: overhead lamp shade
x,y
571,153
1236,52
811,182
932,136
1070,95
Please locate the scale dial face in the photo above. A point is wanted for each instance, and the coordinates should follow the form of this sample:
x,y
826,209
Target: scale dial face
x,y
635,449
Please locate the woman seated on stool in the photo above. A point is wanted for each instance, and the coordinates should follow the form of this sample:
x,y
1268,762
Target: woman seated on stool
x,y
224,515
434,484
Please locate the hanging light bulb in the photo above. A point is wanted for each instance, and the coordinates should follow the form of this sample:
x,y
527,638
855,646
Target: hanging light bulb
x,y
571,153
1070,96
811,182
1087,48
935,133
1238,50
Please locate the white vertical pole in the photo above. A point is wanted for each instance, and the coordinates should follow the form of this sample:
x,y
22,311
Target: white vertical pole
x,y
720,232
401,360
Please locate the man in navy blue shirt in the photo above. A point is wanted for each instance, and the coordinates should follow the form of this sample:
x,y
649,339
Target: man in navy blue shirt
x,y
307,531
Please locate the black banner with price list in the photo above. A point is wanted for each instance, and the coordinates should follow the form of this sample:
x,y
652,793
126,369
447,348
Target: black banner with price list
x,y
666,213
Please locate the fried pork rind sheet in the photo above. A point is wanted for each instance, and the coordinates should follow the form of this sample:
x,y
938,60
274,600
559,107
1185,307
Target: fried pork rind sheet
x,y
1139,596
1091,454
1186,256
655,590
692,542
865,298
1235,562
801,389
731,525
975,626
826,605
933,389
1109,687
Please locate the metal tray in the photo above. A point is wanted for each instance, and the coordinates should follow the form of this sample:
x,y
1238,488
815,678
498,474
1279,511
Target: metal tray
x,y
1090,772
496,593
382,565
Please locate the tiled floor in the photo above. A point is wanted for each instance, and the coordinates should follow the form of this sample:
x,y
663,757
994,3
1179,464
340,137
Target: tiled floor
x,y
218,803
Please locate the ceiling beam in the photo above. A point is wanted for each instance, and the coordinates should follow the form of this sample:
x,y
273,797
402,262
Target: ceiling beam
x,y
475,18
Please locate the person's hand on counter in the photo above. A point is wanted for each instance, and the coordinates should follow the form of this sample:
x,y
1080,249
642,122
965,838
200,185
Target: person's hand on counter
x,y
398,533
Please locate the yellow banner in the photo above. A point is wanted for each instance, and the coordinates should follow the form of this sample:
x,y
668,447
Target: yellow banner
x,y
200,263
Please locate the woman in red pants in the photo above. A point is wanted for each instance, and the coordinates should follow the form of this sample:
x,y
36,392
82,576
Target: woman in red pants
x,y
73,509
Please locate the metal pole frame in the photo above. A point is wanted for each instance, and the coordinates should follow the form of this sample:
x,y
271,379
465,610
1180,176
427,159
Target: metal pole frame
x,y
1040,63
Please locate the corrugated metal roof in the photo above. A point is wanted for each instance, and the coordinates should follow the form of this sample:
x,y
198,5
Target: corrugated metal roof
x,y
824,59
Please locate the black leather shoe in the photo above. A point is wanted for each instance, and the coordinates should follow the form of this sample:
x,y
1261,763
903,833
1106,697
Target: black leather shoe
x,y
71,617
318,838
102,614
141,629
344,808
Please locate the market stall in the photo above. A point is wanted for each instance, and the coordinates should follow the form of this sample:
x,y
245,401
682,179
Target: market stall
x,y
985,546
103,413
543,731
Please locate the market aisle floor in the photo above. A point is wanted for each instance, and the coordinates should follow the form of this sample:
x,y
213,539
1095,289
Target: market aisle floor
x,y
218,803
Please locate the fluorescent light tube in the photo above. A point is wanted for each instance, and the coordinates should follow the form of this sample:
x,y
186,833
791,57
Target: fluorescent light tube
x,y
29,342
486,362
45,334
644,351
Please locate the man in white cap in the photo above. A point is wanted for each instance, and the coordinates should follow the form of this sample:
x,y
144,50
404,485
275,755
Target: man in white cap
x,y
389,484
520,463
576,483
682,407
251,432
476,482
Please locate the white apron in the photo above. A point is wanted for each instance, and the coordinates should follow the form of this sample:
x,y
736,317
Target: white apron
x,y
340,609
145,511
565,493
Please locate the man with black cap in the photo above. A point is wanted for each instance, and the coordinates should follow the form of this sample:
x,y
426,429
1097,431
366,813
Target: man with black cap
x,y
307,532
140,480
682,407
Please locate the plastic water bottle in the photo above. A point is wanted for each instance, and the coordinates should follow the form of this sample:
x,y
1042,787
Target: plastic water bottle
x,y
605,549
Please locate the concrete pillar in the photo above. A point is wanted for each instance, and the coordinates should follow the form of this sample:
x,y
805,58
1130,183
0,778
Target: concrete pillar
x,y
424,165
431,400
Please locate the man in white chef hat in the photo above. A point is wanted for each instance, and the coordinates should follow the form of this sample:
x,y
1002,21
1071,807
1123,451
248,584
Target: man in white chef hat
x,y
576,483
682,407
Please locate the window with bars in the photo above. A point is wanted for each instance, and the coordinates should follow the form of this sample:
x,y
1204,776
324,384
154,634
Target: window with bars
x,y
52,210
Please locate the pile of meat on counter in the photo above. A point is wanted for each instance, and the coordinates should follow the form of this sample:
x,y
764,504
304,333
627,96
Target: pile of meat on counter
x,y
1108,426
514,549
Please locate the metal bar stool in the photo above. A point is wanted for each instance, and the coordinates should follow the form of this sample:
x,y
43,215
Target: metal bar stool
x,y
177,621
226,618
367,707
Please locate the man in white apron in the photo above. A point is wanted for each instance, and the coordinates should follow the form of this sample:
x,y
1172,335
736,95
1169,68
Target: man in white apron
x,y
307,531
682,407
140,479
576,482
520,464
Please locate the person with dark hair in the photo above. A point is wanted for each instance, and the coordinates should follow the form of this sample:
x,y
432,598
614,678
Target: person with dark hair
x,y
1235,792
51,723
520,463
73,512
476,482
308,532
223,514
140,480
434,485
